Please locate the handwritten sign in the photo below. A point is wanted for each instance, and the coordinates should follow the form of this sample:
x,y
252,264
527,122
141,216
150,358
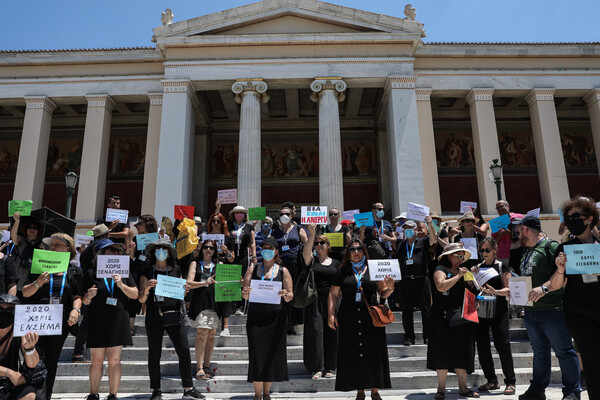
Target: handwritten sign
x,y
182,212
117,214
519,290
265,292
314,215
49,261
583,259
501,222
467,206
169,286
335,239
109,265
535,212
227,196
20,206
82,240
364,219
379,269
485,274
257,213
44,319
145,239
471,245
228,286
219,238
417,212
349,214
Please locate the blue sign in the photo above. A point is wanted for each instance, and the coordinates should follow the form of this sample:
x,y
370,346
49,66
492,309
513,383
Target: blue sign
x,y
364,219
499,223
169,286
583,259
561,216
145,239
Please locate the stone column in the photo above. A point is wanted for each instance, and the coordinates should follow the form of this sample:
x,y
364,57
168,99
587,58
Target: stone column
x,y
406,164
548,149
152,144
249,93
485,145
176,147
327,92
33,153
92,179
429,158
593,102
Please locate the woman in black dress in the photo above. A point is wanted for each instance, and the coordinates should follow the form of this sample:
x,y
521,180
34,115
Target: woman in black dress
x,y
243,236
8,275
266,325
468,231
450,348
362,357
320,341
108,320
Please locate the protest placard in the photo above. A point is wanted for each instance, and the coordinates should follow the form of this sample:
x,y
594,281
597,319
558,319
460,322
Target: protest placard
x,y
485,274
169,286
335,239
471,245
219,238
227,196
467,206
417,212
5,236
113,214
561,217
265,291
20,206
314,215
44,319
49,261
349,214
228,283
108,265
82,240
501,222
583,259
257,213
535,212
519,290
145,239
182,212
436,226
379,269
364,219
470,277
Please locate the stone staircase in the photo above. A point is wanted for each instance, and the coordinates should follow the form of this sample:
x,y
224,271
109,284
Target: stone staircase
x,y
230,363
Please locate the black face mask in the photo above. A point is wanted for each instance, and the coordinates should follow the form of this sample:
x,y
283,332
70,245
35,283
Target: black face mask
x,y
7,318
576,226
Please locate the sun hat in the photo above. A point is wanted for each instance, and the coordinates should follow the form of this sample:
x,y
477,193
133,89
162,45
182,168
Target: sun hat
x,y
9,299
238,209
100,230
452,248
164,242
409,224
467,215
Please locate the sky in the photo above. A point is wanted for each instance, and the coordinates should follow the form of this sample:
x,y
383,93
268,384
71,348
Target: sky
x,y
74,24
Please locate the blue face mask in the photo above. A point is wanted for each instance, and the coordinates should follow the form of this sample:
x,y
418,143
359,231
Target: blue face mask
x,y
360,263
266,227
161,254
268,254
409,233
379,213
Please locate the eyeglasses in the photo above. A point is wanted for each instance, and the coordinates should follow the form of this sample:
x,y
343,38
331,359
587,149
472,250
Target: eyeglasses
x,y
212,248
487,250
216,221
574,216
355,249
333,214
282,214
320,243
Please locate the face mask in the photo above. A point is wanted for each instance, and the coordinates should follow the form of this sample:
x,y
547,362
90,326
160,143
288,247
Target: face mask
x,y
576,227
161,254
7,318
266,227
409,233
360,263
268,254
379,214
284,219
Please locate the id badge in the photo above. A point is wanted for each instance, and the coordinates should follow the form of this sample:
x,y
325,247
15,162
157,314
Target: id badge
x,y
589,278
54,300
285,248
409,261
142,257
111,301
160,298
358,296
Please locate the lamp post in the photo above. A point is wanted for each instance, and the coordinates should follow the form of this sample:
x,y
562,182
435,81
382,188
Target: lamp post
x,y
496,174
71,181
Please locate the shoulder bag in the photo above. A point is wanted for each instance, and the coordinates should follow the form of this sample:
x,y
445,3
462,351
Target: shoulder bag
x,y
305,289
381,315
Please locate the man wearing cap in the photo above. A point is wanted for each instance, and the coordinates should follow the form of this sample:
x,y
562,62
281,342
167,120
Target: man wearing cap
x,y
118,231
414,288
504,236
544,320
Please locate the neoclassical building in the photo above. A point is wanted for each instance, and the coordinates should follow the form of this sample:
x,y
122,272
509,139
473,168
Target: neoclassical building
x,y
304,101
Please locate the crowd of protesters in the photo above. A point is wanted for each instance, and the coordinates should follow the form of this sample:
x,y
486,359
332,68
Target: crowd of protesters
x,y
441,266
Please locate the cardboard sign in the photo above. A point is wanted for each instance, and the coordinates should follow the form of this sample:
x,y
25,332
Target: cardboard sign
x,y
228,196
82,240
484,275
228,283
349,215
169,286
501,222
364,219
417,212
108,265
583,259
314,215
182,212
20,206
335,239
117,213
379,269
535,212
519,287
257,213
471,245
44,319
49,261
265,291
467,206
219,238
145,239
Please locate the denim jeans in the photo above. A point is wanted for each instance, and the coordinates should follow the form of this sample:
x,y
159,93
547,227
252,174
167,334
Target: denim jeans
x,y
547,329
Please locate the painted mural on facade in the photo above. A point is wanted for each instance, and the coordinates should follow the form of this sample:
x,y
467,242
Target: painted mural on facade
x,y
9,156
516,149
454,150
578,149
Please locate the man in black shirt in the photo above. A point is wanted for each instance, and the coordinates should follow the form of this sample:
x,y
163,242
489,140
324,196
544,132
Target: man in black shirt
x,y
118,231
381,232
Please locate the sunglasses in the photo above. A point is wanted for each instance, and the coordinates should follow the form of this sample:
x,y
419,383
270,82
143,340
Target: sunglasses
x,y
459,256
320,243
380,209
333,214
34,228
486,250
216,221
209,248
282,214
574,216
355,250
469,221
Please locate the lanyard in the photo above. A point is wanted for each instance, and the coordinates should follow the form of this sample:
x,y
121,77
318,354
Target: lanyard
x,y
212,265
272,272
412,250
530,254
62,286
358,276
111,289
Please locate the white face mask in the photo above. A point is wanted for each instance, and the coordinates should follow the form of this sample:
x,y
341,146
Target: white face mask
x,y
284,219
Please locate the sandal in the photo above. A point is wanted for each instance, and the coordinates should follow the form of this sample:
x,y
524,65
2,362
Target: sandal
x,y
469,393
510,390
375,396
208,374
360,396
329,375
489,386
317,375
266,396
439,396
200,375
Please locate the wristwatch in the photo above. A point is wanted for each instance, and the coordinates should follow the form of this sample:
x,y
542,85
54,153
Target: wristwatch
x,y
545,289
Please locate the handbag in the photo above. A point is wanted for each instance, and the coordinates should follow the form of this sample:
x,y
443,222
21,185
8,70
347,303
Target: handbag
x,y
463,314
381,315
169,317
305,290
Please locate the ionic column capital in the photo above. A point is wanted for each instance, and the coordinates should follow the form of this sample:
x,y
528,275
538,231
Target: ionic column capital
x,y
100,101
335,84
479,94
400,82
40,102
423,94
258,86
592,97
156,98
535,95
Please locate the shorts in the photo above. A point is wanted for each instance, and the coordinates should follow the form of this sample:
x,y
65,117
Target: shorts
x,y
207,319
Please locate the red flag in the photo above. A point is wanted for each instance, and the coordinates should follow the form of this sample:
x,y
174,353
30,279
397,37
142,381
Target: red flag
x,y
184,211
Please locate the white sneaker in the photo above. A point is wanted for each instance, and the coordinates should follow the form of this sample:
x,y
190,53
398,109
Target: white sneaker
x,y
239,312
225,332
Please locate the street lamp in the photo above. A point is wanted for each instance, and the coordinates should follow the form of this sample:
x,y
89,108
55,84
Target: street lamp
x,y
496,174
71,181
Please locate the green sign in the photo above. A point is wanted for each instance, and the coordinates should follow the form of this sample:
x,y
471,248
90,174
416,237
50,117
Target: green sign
x,y
436,226
257,213
228,286
49,261
90,233
20,206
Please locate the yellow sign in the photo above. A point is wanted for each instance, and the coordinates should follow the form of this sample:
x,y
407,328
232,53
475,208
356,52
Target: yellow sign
x,y
469,277
336,239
